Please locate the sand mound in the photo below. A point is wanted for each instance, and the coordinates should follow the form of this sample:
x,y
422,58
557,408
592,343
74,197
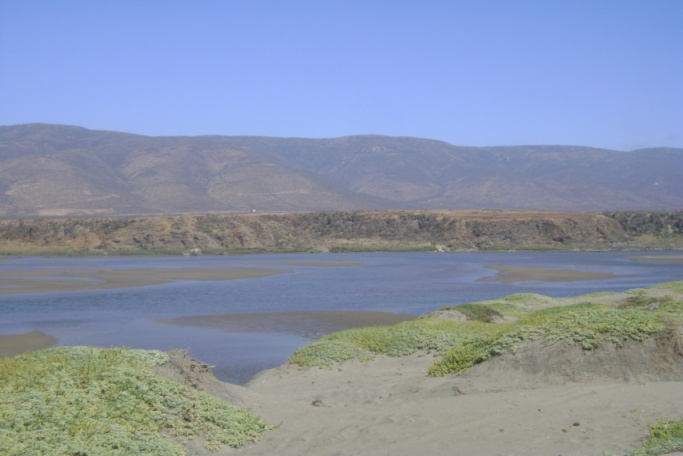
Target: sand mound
x,y
184,369
557,399
543,399
188,371
446,314
536,364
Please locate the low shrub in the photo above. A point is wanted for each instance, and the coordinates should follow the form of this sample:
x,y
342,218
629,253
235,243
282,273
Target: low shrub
x,y
464,344
586,324
432,335
666,437
479,312
81,400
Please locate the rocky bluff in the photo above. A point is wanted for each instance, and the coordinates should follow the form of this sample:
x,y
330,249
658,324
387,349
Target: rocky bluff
x,y
345,231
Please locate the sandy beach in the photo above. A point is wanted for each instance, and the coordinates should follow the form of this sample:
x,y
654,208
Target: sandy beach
x,y
390,407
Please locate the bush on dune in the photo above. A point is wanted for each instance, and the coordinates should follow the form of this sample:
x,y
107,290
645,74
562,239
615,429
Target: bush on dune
x,y
585,324
81,400
429,335
464,344
666,437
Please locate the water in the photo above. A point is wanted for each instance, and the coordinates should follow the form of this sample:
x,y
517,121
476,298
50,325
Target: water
x,y
410,283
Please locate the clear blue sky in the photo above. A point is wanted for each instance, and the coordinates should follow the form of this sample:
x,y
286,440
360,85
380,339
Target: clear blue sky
x,y
478,72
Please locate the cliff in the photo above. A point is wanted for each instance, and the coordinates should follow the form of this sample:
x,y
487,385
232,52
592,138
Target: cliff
x,y
345,231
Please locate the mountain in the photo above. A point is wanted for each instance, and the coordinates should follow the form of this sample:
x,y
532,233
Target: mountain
x,y
55,170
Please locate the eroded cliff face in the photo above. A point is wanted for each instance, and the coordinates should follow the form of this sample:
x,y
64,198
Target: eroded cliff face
x,y
340,231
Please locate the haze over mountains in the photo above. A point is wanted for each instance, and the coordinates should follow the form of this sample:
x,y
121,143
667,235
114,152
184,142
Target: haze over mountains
x,y
54,170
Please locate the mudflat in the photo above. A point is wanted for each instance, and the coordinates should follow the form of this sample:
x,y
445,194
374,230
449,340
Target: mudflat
x,y
324,264
675,258
68,279
511,274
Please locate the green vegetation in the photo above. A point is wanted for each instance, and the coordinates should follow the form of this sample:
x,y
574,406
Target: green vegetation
x,y
655,223
665,437
477,312
399,340
585,324
527,248
616,319
80,400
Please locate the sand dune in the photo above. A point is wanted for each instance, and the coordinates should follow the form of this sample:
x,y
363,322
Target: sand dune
x,y
390,407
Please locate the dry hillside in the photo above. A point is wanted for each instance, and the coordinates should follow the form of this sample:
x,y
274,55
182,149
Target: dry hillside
x,y
59,171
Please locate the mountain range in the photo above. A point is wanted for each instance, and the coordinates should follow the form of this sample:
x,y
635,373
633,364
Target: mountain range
x,y
57,171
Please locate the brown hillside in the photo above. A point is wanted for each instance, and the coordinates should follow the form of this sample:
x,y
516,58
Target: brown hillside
x,y
53,170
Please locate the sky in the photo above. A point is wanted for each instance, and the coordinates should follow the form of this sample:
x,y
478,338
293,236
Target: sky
x,y
600,73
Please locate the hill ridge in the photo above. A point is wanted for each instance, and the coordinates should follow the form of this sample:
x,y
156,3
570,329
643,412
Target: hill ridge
x,y
59,170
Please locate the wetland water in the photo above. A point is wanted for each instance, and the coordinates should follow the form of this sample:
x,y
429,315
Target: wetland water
x,y
404,283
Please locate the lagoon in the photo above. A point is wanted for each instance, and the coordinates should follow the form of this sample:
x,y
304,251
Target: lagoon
x,y
173,287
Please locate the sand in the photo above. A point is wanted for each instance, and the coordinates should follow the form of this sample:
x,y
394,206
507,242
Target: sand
x,y
390,407
15,344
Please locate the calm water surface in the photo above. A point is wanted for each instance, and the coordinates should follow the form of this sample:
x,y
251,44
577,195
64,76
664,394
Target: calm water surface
x,y
411,283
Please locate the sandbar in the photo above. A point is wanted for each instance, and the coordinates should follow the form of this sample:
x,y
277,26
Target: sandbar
x,y
675,258
69,279
323,264
308,324
512,274
16,344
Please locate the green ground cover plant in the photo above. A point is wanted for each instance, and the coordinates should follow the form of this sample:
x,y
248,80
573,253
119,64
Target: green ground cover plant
x,y
665,437
464,344
586,324
430,335
82,400
478,312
